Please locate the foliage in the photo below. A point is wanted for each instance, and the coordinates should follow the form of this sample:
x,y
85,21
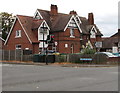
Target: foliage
x,y
6,21
88,50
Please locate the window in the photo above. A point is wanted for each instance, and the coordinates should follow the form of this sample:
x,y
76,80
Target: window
x,y
66,45
18,46
71,32
18,33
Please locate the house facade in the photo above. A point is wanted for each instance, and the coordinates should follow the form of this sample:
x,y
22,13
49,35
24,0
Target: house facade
x,y
71,32
112,44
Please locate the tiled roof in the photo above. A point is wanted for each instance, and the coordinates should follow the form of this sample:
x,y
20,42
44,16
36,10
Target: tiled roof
x,y
86,27
56,22
28,24
109,42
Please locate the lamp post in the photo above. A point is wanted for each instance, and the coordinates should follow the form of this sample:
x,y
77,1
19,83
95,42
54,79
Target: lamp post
x,y
44,29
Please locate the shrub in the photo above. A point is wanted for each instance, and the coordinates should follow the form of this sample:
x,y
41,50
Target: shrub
x,y
88,50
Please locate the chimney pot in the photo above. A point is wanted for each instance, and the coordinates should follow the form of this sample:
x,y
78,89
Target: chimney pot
x,y
73,12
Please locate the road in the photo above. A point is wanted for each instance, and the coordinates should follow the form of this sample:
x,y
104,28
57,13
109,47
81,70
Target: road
x,y
56,78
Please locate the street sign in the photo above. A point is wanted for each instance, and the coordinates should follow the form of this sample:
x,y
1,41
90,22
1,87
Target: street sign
x,y
98,44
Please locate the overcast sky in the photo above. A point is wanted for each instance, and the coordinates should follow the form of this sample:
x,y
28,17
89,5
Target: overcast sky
x,y
105,11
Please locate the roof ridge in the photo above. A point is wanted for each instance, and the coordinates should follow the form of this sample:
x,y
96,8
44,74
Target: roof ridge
x,y
25,16
58,13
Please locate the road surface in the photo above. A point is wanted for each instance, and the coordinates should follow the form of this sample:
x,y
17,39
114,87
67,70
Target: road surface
x,y
55,78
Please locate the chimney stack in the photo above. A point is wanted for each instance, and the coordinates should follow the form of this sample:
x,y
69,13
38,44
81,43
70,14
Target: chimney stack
x,y
91,18
73,12
54,9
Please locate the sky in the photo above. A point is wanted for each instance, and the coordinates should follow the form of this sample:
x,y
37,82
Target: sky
x,y
105,11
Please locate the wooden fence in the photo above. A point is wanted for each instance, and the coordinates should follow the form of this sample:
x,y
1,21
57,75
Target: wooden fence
x,y
14,55
18,55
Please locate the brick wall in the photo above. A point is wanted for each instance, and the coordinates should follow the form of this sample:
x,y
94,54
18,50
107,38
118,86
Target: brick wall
x,y
63,38
23,40
98,38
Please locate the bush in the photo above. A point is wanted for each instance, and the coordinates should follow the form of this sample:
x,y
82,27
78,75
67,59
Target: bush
x,y
88,50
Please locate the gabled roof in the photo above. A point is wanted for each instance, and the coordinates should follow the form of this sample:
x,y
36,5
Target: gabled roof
x,y
58,22
98,31
27,23
86,28
61,21
46,16
115,35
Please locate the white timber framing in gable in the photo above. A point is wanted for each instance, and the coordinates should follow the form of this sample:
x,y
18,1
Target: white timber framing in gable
x,y
94,29
73,17
40,36
38,13
76,16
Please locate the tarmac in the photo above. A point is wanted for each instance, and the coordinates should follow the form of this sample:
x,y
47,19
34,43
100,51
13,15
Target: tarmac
x,y
64,64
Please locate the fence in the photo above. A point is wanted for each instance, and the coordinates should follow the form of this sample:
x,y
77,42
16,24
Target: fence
x,y
75,58
19,55
96,59
14,55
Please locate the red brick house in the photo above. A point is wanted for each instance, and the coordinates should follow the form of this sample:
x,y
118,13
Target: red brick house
x,y
112,44
71,31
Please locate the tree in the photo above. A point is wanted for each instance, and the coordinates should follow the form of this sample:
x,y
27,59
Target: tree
x,y
6,21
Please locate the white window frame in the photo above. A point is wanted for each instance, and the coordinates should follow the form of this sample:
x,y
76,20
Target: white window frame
x,y
72,32
66,45
18,48
18,33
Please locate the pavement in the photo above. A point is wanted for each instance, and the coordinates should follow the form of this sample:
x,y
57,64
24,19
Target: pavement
x,y
64,64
